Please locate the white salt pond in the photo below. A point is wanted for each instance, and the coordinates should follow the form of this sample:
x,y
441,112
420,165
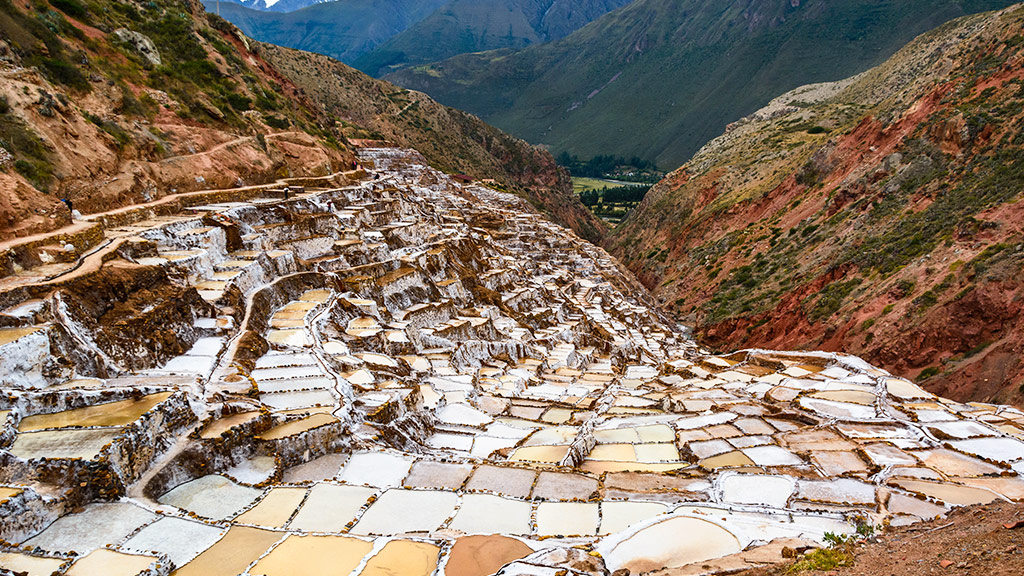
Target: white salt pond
x,y
380,469
407,511
212,496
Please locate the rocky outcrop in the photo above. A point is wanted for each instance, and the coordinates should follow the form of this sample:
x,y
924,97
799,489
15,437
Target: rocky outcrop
x,y
140,43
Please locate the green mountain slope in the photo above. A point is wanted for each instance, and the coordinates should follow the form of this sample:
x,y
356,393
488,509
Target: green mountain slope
x,y
463,26
111,105
451,140
343,29
881,215
659,78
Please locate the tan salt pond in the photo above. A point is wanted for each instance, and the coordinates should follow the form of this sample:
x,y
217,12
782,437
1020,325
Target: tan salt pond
x,y
103,562
297,426
948,493
567,518
955,464
732,459
616,452
618,516
85,444
118,413
313,556
557,415
489,514
601,466
656,453
31,565
852,396
403,558
217,427
275,509
483,555
362,327
232,554
329,508
319,296
288,337
617,436
549,454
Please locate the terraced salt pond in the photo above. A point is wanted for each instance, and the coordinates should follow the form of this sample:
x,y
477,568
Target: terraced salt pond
x,y
440,382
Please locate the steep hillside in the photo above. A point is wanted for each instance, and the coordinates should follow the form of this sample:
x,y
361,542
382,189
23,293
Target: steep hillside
x,y
464,26
114,104
110,104
659,78
344,29
879,215
451,140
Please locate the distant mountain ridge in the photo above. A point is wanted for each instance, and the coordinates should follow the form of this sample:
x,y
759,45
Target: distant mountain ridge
x,y
464,26
276,5
344,29
659,78
377,35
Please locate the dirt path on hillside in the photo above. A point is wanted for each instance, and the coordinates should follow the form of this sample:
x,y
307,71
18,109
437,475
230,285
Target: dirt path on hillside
x,y
972,541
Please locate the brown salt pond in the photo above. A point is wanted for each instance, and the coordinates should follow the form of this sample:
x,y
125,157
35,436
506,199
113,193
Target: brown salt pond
x,y
221,425
313,556
118,413
297,426
403,558
483,555
232,554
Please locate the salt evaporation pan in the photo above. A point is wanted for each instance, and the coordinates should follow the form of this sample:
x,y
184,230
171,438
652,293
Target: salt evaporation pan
x,y
483,555
313,556
407,511
103,562
618,516
84,444
488,514
379,469
30,565
659,546
279,504
403,558
757,489
98,525
232,554
567,519
330,508
211,496
179,539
